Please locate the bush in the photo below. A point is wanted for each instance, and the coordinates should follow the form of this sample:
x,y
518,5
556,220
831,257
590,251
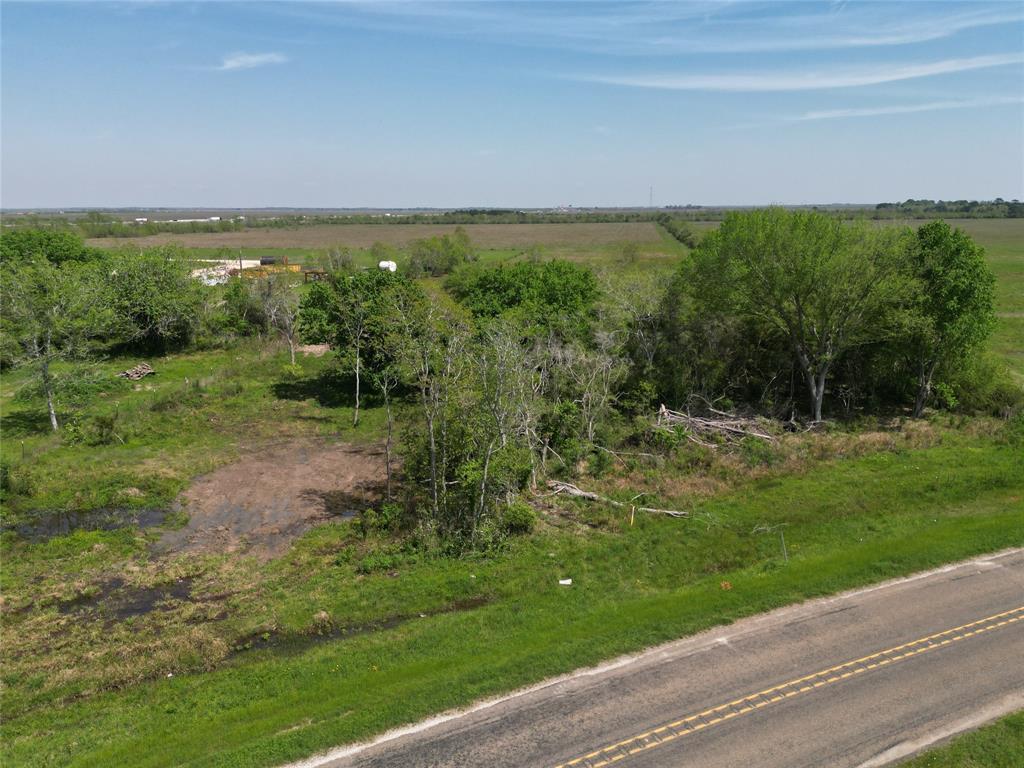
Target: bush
x,y
1013,430
386,559
436,256
388,519
518,518
14,479
982,384
541,291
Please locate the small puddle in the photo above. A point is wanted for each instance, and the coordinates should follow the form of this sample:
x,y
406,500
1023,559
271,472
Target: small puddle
x,y
123,602
47,525
293,642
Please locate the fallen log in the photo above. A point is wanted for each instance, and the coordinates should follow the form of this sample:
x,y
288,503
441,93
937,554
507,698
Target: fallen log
x,y
561,487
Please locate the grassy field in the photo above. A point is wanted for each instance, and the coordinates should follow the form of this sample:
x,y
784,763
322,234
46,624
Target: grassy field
x,y
116,653
365,235
1004,246
1000,745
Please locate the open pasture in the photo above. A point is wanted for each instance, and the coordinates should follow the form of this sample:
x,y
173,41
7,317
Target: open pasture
x,y
365,235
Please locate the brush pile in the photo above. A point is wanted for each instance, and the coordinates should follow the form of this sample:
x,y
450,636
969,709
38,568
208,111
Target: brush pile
x,y
727,426
138,372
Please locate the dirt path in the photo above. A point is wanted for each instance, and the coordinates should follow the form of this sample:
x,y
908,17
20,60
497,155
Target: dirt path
x,y
260,503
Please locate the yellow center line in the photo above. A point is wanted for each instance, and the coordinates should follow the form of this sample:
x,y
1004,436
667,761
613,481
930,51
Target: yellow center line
x,y
847,669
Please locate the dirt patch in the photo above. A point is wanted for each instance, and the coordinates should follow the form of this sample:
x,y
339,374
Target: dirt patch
x,y
262,502
365,235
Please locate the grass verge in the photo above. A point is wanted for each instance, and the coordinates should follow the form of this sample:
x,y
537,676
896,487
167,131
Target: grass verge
x,y
999,745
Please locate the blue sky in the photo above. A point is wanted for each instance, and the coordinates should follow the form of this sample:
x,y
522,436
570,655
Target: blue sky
x,y
509,104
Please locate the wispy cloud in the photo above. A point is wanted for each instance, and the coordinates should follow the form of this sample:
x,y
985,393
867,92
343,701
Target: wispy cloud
x,y
668,28
803,81
906,109
241,60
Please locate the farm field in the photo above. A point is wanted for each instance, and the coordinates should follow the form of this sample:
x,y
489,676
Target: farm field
x,y
365,235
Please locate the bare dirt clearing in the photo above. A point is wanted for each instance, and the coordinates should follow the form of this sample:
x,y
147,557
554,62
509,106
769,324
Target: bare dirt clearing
x,y
262,502
365,235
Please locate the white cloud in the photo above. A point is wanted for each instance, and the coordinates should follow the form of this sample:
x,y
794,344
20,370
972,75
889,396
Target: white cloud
x,y
804,81
243,60
906,109
668,28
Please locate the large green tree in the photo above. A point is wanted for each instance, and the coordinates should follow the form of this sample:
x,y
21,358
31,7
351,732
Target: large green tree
x,y
821,283
953,312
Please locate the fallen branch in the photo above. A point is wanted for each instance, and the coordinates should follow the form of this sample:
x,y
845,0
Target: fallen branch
x,y
727,425
561,487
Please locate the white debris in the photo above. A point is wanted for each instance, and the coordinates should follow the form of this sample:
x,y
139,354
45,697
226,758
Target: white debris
x,y
390,266
565,582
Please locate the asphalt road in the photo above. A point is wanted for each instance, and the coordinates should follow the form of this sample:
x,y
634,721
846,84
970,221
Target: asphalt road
x,y
862,679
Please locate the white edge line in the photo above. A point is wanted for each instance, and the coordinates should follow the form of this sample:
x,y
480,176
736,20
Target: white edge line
x,y
322,759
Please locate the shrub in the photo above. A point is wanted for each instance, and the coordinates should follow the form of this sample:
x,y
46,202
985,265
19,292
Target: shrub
x,y
388,519
518,518
982,384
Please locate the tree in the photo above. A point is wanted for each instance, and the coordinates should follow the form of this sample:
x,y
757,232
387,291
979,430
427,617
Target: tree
x,y
53,313
317,314
593,376
954,308
154,293
397,318
346,313
56,246
632,304
816,280
280,308
478,393
436,256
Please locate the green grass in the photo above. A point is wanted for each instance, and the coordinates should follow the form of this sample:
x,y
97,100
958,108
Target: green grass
x,y
999,745
847,522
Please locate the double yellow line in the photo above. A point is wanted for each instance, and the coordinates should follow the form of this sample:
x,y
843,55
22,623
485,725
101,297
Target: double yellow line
x,y
709,717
